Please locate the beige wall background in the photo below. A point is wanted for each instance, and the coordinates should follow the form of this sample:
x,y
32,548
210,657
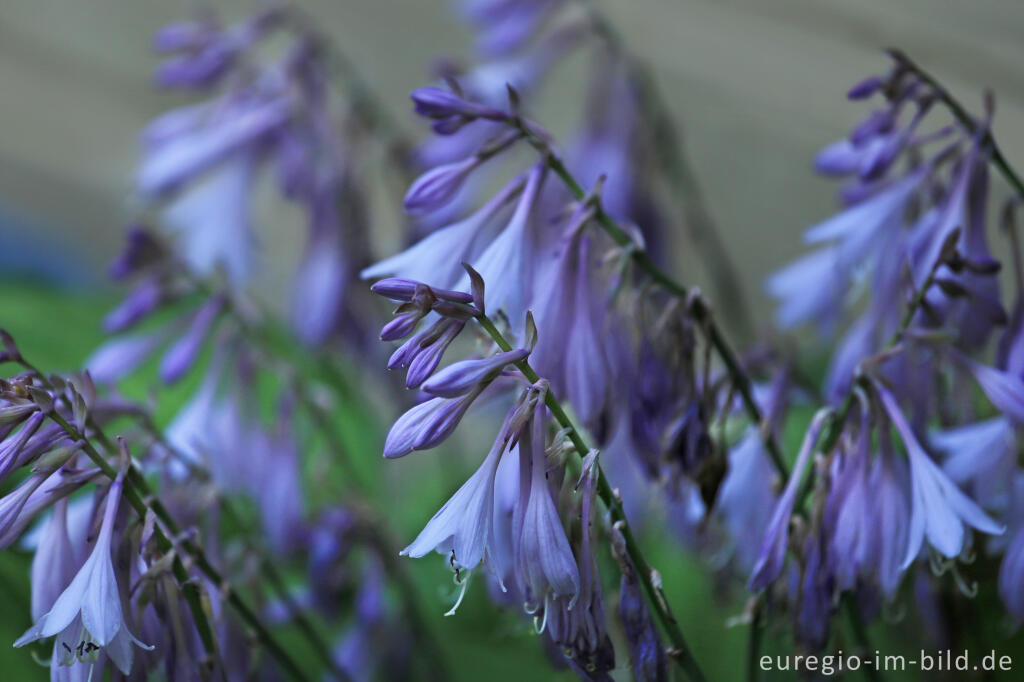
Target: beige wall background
x,y
757,84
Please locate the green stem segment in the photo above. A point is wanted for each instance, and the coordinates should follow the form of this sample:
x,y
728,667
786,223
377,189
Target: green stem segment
x,y
680,650
964,117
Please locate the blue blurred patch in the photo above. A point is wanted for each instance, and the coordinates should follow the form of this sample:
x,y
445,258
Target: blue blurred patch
x,y
29,251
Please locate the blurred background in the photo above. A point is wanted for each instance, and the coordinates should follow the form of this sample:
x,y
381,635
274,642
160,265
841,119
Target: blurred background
x,y
757,87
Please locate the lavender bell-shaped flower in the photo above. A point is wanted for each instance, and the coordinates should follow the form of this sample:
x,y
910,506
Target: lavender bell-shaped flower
x,y
436,259
55,562
939,509
891,511
579,628
776,537
87,617
745,499
507,262
462,528
545,566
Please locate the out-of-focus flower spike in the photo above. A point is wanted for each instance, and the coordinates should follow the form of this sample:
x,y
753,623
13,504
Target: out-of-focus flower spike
x,y
120,356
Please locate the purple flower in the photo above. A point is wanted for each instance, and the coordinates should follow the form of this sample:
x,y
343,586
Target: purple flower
x,y
1011,577
577,625
469,375
462,527
545,567
745,499
891,514
87,616
219,131
55,562
426,425
1005,391
119,357
181,354
140,303
435,188
571,342
646,650
436,259
984,452
422,353
506,263
939,509
441,104
807,288
211,223
776,537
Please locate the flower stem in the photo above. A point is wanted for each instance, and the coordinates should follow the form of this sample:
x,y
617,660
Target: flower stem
x,y
700,309
680,651
964,117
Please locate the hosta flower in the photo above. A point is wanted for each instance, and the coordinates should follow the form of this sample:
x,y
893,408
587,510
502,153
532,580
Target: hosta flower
x,y
87,617
939,510
462,527
544,563
776,538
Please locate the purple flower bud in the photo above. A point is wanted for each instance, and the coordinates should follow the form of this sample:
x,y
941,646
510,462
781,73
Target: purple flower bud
x,y
403,324
139,303
426,425
438,103
429,355
467,375
1011,577
398,289
866,88
183,35
197,69
182,353
435,188
121,356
